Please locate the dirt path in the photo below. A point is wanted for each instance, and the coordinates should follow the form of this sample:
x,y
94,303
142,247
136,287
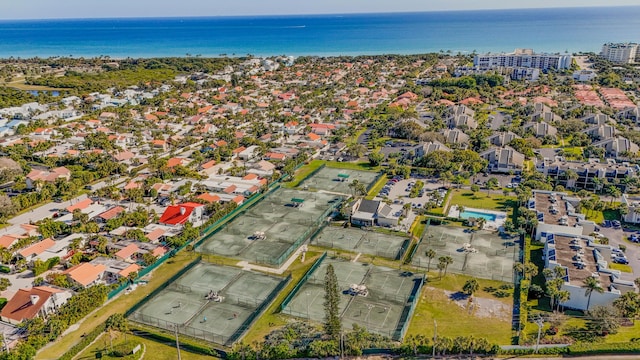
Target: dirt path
x,y
480,307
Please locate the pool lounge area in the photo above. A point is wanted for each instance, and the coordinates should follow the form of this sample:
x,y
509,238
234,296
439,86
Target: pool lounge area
x,y
494,219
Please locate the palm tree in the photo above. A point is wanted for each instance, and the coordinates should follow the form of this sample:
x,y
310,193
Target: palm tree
x,y
518,268
591,284
470,286
461,209
430,254
446,261
563,296
571,175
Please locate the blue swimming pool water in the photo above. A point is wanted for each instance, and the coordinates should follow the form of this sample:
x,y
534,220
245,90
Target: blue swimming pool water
x,y
476,214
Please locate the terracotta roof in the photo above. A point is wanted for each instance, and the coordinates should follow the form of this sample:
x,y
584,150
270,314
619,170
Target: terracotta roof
x,y
127,251
230,189
37,248
111,213
208,164
211,198
128,270
85,273
7,240
82,204
155,234
20,306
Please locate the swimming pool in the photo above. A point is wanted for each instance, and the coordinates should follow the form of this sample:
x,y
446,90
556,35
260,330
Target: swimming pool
x,y
477,214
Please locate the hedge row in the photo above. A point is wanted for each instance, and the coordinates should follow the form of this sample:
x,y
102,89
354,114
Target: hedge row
x,y
596,348
84,342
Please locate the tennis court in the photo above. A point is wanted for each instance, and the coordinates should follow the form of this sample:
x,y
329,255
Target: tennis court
x,y
368,241
381,308
338,180
272,229
481,254
210,302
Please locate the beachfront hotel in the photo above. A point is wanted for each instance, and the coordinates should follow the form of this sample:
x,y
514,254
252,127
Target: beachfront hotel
x,y
524,58
621,53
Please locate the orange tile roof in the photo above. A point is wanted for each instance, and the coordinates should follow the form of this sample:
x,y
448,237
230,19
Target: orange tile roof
x,y
155,234
127,251
250,177
82,204
37,248
85,273
211,198
128,270
208,164
111,213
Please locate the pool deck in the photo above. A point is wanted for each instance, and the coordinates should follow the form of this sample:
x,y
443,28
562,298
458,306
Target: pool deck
x,y
500,216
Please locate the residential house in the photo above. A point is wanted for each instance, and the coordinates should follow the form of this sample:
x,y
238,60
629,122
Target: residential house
x,y
455,136
40,301
31,252
503,160
460,115
86,274
425,148
176,215
617,147
503,138
50,176
540,129
114,269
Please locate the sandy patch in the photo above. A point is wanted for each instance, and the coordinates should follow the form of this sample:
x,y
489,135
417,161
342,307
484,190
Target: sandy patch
x,y
478,306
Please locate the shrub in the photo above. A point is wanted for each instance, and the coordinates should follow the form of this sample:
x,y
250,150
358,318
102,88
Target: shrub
x,y
535,292
5,269
501,294
506,286
3,302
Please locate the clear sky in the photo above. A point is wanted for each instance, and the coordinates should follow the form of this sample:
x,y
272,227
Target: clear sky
x,y
44,9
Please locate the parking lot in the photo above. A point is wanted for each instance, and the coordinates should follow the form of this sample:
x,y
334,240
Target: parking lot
x,y
399,190
620,236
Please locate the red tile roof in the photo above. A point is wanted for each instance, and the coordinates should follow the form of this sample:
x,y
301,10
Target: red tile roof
x,y
178,214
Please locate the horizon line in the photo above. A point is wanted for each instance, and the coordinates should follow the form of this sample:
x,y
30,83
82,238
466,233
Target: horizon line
x,y
318,14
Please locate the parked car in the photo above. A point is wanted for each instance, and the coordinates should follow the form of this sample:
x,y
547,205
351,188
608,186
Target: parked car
x,y
633,238
620,260
616,223
606,223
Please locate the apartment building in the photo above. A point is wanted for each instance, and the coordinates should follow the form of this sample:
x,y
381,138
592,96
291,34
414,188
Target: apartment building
x,y
558,170
621,53
523,58
569,247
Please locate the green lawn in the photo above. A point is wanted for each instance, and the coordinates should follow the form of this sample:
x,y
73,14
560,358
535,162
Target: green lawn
x,y
152,349
361,166
481,200
453,320
303,172
375,189
120,304
417,228
621,267
272,319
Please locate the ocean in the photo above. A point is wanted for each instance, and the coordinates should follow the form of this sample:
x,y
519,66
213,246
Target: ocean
x,y
544,30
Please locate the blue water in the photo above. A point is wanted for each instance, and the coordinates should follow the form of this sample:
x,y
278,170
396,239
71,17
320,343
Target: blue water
x,y
476,214
550,30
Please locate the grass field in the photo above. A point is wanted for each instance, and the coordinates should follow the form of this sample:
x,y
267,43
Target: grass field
x,y
481,200
454,321
153,349
362,166
271,318
120,304
303,172
375,189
